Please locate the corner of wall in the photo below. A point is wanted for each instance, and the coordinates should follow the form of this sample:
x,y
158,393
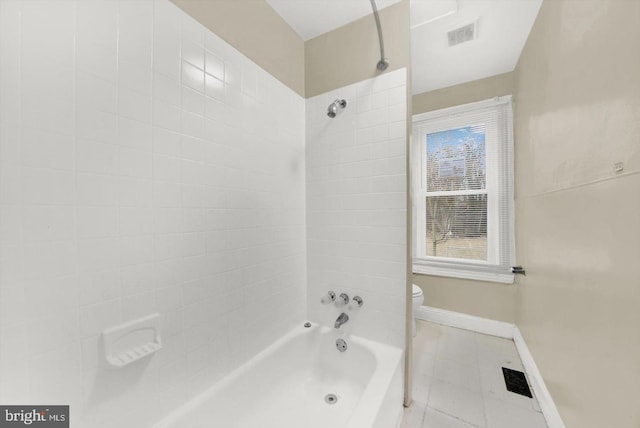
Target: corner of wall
x,y
257,31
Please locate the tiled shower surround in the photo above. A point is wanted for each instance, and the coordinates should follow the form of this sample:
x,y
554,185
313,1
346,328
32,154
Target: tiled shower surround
x,y
148,166
145,166
356,205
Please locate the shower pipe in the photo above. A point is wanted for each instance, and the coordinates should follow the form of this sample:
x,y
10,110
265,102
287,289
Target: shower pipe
x,y
384,62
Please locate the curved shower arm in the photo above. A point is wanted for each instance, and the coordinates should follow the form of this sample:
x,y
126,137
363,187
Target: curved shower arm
x,y
384,62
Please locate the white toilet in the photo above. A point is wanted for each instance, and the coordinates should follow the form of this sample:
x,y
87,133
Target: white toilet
x,y
418,299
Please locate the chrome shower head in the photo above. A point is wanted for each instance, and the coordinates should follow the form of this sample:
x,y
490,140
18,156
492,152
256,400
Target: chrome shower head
x,y
332,111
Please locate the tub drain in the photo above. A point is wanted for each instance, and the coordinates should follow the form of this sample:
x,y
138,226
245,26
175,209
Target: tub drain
x,y
330,399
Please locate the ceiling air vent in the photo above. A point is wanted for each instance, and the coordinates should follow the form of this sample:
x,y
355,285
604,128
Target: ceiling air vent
x,y
463,34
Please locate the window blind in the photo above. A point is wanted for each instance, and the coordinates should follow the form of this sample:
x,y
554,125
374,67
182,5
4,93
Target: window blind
x,y
463,191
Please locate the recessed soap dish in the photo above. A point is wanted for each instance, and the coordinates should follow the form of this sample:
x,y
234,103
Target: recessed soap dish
x,y
131,341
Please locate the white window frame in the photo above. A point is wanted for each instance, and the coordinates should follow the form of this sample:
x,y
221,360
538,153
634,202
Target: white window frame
x,y
498,233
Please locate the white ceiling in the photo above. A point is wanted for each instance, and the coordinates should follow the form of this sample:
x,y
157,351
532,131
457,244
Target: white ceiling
x,y
503,28
310,18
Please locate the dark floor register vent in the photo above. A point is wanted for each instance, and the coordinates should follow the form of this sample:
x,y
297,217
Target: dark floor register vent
x,y
516,382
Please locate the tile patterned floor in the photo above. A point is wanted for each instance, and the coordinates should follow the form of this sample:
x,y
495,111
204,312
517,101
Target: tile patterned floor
x,y
458,382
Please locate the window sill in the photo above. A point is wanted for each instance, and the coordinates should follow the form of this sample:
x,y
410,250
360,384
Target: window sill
x,y
422,267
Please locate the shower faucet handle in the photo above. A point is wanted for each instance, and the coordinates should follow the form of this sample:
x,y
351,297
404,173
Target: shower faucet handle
x,y
328,298
342,299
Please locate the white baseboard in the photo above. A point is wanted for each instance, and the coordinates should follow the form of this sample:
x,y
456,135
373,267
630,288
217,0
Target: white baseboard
x,y
507,331
540,390
466,322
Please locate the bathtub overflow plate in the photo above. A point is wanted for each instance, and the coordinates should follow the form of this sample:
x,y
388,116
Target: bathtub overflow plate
x,y
330,399
341,345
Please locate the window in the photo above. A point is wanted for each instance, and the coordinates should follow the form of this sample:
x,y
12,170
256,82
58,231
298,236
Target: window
x,y
463,191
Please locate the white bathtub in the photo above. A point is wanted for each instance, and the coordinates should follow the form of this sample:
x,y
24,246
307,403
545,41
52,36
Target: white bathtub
x,y
285,387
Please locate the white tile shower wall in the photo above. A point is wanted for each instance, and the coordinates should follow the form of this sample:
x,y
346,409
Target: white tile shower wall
x,y
356,206
146,166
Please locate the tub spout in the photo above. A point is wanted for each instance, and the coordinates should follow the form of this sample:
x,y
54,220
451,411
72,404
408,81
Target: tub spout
x,y
343,318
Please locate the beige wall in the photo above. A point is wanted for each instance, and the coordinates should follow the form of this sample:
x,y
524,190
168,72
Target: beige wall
x,y
578,224
349,54
477,90
256,30
483,299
